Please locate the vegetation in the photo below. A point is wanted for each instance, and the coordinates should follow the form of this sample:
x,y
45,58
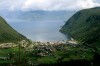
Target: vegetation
x,y
43,54
84,27
7,33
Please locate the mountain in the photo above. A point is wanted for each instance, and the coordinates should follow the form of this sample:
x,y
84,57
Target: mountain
x,y
8,34
84,26
37,15
46,15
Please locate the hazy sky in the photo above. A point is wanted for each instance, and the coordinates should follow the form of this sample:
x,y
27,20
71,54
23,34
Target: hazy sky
x,y
50,5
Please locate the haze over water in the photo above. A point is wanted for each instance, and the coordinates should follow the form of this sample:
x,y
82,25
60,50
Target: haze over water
x,y
39,30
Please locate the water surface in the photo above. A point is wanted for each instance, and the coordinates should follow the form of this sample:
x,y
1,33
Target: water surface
x,y
39,30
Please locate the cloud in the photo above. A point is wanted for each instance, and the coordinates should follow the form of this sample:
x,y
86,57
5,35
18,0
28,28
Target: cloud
x,y
10,4
83,4
50,5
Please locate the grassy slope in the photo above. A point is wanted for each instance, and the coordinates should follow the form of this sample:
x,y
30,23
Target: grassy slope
x,y
84,26
7,33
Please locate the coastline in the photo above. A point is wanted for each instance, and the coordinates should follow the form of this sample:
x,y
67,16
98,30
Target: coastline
x,y
26,44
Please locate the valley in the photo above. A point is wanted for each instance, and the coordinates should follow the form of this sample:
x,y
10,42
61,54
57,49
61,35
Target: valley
x,y
81,49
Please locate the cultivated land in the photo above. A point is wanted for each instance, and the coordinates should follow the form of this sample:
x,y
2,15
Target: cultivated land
x,y
44,53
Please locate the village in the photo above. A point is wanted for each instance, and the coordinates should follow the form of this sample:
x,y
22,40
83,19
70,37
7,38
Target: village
x,y
39,48
39,52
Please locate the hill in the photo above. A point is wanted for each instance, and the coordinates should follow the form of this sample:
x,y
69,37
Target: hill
x,y
37,15
84,26
8,34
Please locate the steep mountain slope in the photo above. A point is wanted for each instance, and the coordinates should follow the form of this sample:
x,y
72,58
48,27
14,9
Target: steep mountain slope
x,y
84,25
7,33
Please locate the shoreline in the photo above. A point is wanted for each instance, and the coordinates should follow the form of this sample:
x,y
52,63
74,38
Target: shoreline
x,y
30,43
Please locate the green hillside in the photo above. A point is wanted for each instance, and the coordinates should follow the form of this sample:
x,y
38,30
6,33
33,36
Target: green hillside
x,y
7,33
84,26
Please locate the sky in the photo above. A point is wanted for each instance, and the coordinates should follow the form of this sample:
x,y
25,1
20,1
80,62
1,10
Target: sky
x,y
48,5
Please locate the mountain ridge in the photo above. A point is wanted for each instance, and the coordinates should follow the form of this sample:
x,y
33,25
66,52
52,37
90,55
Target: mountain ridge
x,y
84,25
8,34
37,15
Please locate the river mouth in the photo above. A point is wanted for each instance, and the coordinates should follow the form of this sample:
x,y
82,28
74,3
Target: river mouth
x,y
43,31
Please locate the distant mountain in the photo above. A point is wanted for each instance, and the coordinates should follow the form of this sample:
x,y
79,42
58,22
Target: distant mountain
x,y
46,15
8,34
37,15
84,26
